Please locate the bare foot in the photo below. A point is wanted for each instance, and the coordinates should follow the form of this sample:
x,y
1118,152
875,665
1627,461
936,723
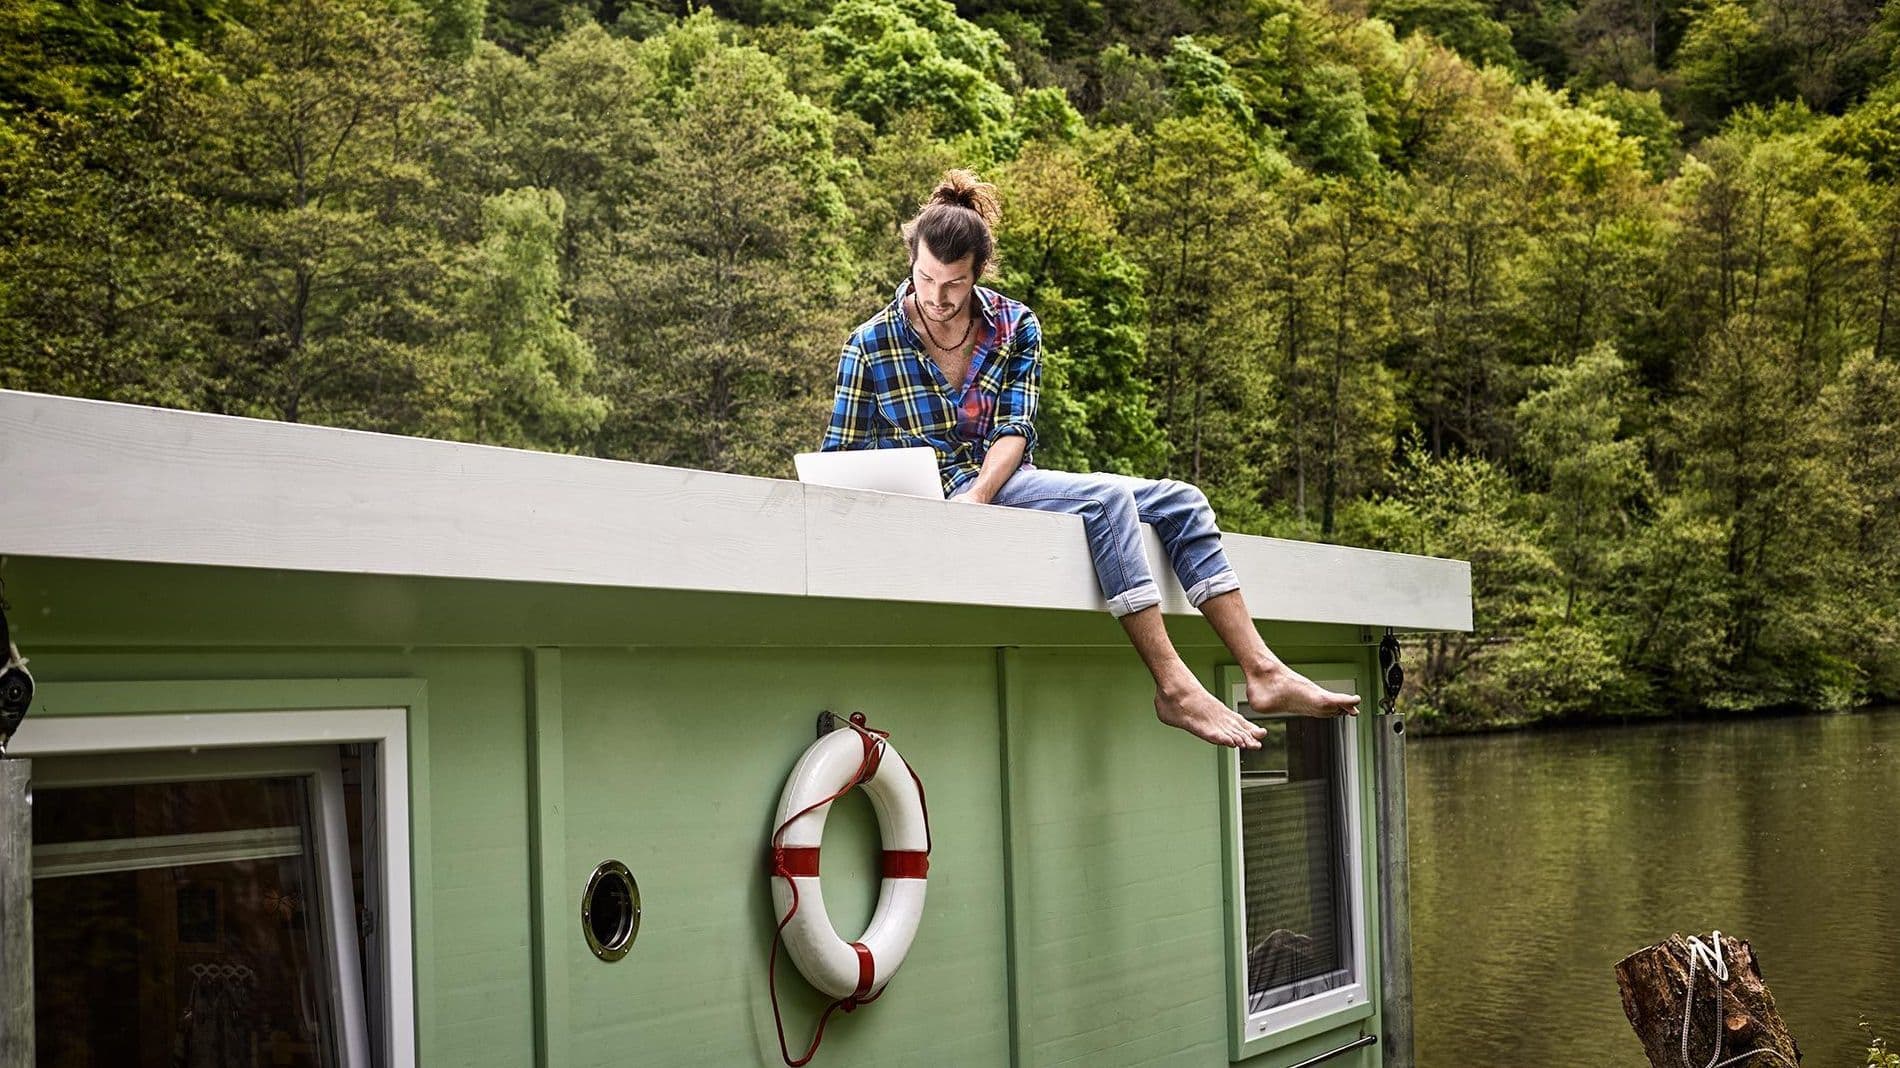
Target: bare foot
x,y
1194,710
1279,690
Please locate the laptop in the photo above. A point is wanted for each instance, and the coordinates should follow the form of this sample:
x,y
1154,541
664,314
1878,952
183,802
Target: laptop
x,y
911,471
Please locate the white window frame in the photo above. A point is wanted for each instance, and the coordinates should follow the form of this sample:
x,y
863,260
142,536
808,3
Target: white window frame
x,y
383,728
1257,1032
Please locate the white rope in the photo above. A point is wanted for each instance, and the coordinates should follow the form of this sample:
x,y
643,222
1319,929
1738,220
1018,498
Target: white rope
x,y
1718,966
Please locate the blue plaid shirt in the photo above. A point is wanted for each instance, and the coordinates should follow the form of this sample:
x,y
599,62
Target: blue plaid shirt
x,y
891,394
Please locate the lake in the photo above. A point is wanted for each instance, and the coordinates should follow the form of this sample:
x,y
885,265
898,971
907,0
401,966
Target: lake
x,y
1540,859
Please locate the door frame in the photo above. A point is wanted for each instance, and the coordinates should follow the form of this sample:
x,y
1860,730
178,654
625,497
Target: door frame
x,y
317,765
125,729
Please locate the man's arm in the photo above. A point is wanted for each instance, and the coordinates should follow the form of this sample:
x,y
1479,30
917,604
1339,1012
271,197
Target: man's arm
x,y
854,407
1013,433
999,463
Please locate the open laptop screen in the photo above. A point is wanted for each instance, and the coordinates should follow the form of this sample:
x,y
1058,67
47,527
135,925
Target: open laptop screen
x,y
911,471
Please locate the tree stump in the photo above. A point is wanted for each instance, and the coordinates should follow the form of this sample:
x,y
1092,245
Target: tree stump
x,y
1655,980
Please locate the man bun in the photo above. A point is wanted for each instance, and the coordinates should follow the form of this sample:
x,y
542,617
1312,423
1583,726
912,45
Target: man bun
x,y
963,189
956,220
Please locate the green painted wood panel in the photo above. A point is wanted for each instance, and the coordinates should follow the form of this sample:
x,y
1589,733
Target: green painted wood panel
x,y
675,763
1116,869
1117,876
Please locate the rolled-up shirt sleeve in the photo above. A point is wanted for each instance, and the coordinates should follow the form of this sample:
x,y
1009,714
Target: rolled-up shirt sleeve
x,y
854,407
1021,387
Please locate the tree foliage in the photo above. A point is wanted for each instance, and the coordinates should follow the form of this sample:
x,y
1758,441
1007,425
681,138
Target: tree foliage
x,y
1602,296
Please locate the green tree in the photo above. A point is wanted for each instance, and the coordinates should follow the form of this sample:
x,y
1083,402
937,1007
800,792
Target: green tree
x,y
1590,475
1457,234
893,56
1464,507
1195,196
1202,81
1719,62
1129,88
578,119
455,26
1749,461
1349,395
1776,227
1059,244
528,25
1465,26
1590,223
100,243
1859,430
1870,133
1047,114
1640,115
1672,596
330,216
517,373
1334,129
84,56
719,306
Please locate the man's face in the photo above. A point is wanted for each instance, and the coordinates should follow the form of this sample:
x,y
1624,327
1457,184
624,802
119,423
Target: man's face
x,y
943,289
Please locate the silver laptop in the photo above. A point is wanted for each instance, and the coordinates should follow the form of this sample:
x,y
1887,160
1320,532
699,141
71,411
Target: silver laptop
x,y
911,471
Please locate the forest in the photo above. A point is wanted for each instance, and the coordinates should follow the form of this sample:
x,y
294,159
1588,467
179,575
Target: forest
x,y
1599,295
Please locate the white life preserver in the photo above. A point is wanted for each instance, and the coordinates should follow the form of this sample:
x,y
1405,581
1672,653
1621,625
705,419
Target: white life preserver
x,y
850,972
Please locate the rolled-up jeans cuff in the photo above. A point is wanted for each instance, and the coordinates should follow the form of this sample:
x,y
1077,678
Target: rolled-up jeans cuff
x,y
1134,599
1213,586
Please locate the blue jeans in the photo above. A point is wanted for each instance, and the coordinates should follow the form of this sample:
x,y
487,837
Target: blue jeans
x,y
1112,508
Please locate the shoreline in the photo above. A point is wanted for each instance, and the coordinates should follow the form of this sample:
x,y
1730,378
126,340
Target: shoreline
x,y
1696,715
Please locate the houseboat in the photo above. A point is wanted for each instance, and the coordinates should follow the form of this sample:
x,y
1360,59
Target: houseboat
x,y
356,750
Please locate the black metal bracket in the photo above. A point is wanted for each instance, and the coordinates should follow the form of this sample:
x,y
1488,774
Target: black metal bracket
x,y
1391,673
16,685
829,721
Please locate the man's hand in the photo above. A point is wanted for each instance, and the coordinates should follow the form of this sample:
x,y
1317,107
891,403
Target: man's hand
x,y
1001,462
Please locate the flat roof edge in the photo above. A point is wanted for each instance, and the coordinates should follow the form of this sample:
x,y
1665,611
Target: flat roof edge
x,y
97,480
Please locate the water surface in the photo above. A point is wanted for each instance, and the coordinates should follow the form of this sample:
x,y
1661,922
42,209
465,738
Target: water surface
x,y
1540,859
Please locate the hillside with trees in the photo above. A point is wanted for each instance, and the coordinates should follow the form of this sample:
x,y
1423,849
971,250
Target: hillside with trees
x,y
1602,296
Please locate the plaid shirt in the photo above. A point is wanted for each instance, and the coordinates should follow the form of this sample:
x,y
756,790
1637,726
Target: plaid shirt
x,y
891,394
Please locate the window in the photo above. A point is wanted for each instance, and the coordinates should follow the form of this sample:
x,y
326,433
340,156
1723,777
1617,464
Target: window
x,y
198,908
1296,864
228,889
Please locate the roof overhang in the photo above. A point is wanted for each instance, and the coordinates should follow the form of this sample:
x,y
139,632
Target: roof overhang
x,y
92,480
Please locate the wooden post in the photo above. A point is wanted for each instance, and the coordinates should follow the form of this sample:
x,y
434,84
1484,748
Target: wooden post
x,y
1654,981
16,913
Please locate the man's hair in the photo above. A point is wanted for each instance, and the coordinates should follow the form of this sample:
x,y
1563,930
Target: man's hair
x,y
955,221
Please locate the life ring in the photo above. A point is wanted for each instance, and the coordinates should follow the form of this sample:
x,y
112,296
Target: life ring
x,y
851,973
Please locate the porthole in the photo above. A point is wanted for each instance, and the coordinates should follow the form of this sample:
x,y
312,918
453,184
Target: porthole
x,y
610,910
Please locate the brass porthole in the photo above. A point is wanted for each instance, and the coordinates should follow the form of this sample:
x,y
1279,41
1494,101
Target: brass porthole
x,y
610,910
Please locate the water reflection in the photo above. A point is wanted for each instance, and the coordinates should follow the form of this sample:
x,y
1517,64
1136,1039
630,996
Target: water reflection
x,y
1540,859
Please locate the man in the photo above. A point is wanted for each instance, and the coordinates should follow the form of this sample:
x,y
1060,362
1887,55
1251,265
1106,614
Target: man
x,y
955,366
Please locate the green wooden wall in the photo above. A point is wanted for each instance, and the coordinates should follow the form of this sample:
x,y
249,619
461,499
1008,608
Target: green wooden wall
x,y
1076,902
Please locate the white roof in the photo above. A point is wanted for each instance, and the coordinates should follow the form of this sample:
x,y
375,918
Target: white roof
x,y
92,480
